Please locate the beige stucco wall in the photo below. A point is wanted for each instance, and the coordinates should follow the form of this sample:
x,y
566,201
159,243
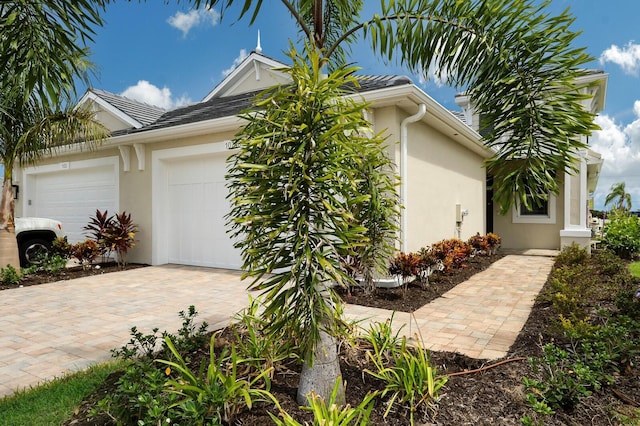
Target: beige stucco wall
x,y
530,235
441,173
110,121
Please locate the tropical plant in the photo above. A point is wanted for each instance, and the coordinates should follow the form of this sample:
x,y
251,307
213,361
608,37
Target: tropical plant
x,y
120,236
331,412
85,252
406,265
43,46
289,197
61,247
114,233
262,351
410,380
217,394
39,60
619,197
97,229
293,185
377,213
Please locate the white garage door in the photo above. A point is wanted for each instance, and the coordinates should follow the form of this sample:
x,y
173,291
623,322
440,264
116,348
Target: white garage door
x,y
72,196
196,209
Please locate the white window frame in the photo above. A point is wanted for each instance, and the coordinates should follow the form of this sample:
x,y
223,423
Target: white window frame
x,y
546,219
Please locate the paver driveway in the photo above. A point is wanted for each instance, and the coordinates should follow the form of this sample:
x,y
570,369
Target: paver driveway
x,y
51,329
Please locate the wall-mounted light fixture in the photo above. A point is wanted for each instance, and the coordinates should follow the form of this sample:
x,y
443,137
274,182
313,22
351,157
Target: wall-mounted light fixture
x,y
16,191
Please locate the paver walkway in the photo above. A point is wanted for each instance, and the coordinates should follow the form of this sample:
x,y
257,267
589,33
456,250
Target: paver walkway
x,y
49,330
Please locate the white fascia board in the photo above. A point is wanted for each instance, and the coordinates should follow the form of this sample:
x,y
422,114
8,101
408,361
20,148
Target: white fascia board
x,y
602,80
441,118
215,125
90,96
230,80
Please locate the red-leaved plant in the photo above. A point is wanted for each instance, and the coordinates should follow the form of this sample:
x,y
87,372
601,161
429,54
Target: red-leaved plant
x,y
114,233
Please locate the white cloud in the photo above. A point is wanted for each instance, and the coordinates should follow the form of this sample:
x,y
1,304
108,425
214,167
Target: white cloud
x,y
620,149
194,17
241,57
146,92
627,57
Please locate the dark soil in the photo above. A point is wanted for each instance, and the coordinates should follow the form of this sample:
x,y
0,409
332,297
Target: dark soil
x,y
478,392
418,293
44,277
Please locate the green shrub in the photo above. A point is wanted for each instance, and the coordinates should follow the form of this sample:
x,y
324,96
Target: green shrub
x,y
52,264
569,288
572,255
622,234
10,275
607,263
61,247
142,395
562,383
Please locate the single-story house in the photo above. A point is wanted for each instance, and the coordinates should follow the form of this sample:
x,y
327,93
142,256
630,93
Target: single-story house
x,y
167,168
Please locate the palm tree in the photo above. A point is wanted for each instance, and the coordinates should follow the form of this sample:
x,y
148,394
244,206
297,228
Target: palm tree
x,y
41,43
520,70
517,63
39,60
619,197
30,131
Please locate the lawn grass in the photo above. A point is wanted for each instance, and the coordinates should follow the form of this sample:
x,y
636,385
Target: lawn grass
x,y
53,402
634,268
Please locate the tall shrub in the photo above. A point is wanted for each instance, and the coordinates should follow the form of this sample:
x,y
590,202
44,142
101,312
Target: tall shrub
x,y
622,234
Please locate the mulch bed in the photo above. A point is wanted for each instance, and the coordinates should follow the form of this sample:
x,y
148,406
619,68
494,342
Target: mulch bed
x,y
43,277
417,294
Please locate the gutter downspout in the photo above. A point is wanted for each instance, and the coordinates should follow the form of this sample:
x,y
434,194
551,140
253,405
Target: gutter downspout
x,y
403,171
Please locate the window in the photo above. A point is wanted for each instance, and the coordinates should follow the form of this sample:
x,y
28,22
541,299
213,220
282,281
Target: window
x,y
545,213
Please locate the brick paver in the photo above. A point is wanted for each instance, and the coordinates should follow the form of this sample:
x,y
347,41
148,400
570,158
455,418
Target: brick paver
x,y
480,317
52,329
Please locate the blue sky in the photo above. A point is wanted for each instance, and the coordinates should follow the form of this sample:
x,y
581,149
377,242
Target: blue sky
x,y
169,55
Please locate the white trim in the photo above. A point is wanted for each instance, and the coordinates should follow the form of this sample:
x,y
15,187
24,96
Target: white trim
x,y
231,82
576,233
71,165
160,188
92,96
548,219
125,153
140,153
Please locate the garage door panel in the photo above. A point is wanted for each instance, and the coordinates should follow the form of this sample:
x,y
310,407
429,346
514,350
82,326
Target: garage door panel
x,y
72,197
197,207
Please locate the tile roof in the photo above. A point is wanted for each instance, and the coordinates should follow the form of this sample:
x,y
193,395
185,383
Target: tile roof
x,y
139,111
232,105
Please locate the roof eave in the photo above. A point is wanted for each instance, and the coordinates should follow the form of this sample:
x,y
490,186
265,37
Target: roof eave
x,y
92,96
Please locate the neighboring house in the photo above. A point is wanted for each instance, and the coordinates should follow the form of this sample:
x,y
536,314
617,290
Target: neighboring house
x,y
168,170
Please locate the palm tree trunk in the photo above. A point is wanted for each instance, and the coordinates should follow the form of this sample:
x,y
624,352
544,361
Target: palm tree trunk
x,y
8,243
320,375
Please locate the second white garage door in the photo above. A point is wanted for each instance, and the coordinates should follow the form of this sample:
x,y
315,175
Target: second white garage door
x,y
196,208
71,193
